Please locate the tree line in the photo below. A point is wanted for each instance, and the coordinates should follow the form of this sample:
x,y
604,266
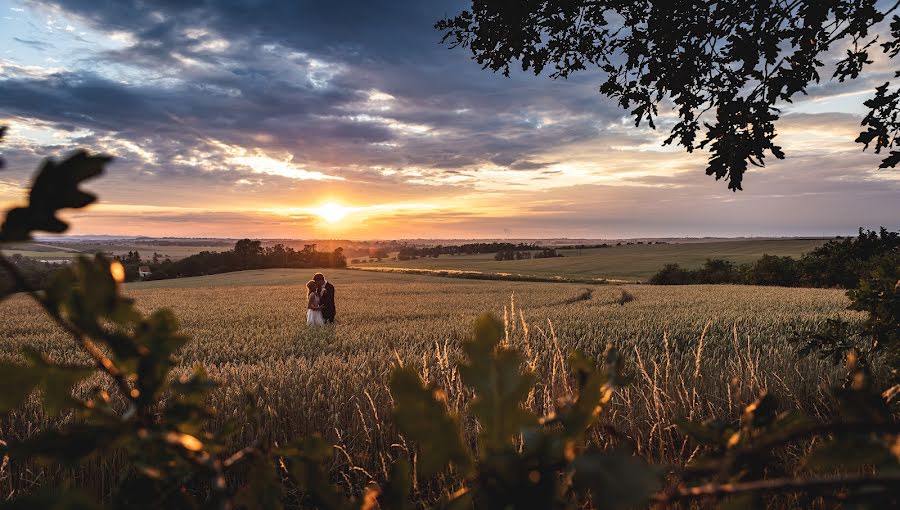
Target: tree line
x,y
838,263
246,254
544,253
413,252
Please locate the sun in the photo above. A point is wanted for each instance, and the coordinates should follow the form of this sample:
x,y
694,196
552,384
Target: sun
x,y
332,212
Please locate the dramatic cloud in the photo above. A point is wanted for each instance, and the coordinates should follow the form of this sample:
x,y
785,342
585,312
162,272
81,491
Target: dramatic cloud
x,y
233,116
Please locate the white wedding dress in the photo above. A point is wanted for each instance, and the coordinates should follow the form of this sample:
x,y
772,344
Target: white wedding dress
x,y
314,317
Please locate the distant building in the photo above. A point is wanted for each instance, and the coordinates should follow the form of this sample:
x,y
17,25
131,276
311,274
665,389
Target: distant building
x,y
144,271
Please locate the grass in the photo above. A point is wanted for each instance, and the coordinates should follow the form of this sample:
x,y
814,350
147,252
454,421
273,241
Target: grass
x,y
629,263
694,352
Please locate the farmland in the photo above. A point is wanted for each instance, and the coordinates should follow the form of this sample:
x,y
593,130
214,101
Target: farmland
x,y
693,352
635,262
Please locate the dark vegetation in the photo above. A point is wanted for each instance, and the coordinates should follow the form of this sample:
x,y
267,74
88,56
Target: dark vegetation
x,y
838,263
246,254
413,252
35,273
544,253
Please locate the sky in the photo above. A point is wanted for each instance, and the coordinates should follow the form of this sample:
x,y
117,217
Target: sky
x,y
309,119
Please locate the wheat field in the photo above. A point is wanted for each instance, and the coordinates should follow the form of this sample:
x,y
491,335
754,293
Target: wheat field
x,y
693,352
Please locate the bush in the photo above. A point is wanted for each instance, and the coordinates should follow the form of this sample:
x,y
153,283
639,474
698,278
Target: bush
x,y
837,263
673,274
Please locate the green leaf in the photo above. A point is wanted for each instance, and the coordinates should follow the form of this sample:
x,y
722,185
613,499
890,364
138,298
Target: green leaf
x,y
55,187
501,386
422,416
617,479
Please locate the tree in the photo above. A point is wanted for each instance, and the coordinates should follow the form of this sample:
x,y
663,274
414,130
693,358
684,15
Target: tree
x,y
736,60
247,252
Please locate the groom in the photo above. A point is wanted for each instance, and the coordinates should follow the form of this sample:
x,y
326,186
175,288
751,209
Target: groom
x,y
326,297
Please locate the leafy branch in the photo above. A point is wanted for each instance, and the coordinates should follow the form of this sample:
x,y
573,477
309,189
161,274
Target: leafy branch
x,y
738,60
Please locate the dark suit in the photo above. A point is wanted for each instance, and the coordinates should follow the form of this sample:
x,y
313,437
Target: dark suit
x,y
327,302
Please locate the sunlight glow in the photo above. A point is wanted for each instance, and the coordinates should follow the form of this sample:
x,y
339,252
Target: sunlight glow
x,y
332,212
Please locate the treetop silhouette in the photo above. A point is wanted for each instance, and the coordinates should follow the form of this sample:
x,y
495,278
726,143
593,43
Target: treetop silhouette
x,y
732,60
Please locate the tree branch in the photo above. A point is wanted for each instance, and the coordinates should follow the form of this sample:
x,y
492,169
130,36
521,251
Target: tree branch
x,y
103,362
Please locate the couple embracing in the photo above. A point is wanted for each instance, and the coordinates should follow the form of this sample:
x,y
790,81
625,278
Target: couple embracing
x,y
320,305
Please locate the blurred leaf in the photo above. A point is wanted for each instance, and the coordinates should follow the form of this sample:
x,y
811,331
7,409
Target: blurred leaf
x,y
710,432
396,491
52,500
501,386
66,446
158,336
423,417
748,501
54,188
595,389
848,454
617,479
55,382
263,490
163,490
308,458
57,386
861,404
17,382
761,413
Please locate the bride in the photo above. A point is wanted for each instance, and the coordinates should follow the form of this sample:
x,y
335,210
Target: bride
x,y
314,310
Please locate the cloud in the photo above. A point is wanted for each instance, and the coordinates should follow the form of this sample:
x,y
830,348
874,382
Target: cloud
x,y
38,45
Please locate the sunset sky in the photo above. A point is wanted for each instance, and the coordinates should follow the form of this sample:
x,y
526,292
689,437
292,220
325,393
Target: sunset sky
x,y
269,118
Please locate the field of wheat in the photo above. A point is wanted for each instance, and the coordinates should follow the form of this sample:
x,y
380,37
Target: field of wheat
x,y
693,352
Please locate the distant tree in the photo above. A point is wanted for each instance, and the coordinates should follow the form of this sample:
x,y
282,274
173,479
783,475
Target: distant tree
x,y
717,271
547,253
672,274
774,270
842,262
735,59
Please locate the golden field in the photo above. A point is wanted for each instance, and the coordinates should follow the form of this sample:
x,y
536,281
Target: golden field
x,y
693,352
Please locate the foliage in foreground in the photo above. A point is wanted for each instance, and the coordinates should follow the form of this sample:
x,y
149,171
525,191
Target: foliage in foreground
x,y
159,423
